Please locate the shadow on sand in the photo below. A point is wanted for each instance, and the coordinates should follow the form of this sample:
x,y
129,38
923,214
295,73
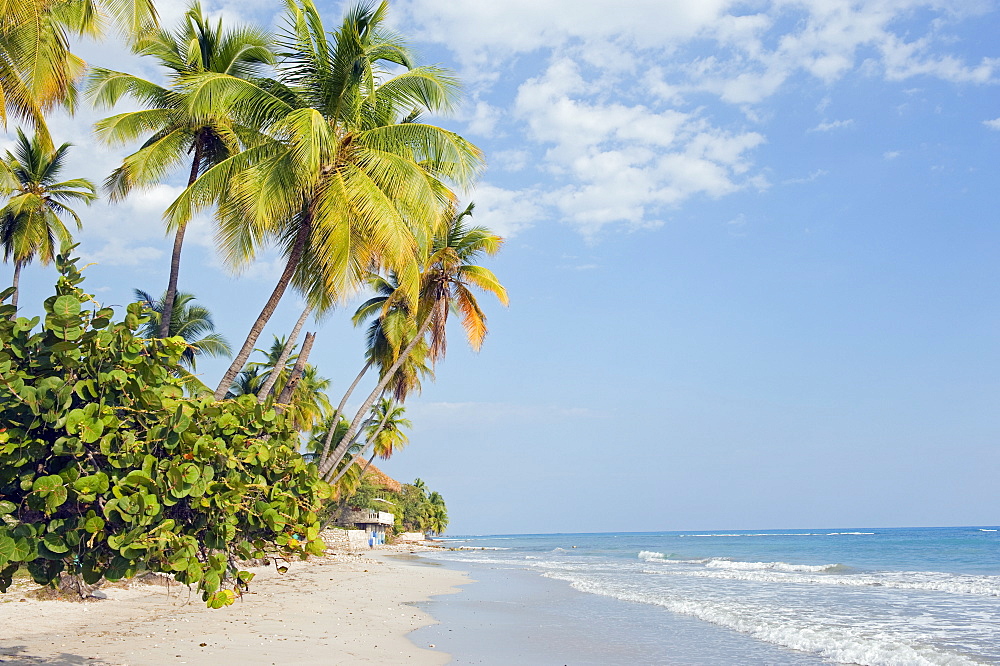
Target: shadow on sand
x,y
15,655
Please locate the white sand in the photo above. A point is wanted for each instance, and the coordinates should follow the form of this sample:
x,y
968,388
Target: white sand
x,y
341,609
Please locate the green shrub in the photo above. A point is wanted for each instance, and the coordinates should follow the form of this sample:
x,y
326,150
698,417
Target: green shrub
x,y
107,469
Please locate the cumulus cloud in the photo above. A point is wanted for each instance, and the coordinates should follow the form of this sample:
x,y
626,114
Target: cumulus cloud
x,y
613,101
507,212
620,163
993,124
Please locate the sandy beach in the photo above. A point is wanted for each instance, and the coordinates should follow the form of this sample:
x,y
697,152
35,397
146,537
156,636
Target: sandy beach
x,y
339,609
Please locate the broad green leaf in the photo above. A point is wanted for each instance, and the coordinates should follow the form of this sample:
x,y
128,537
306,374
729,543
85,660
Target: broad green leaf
x,y
47,484
55,543
66,309
91,430
94,524
7,550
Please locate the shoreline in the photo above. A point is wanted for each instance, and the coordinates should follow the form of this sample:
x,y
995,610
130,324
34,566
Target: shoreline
x,y
365,616
520,616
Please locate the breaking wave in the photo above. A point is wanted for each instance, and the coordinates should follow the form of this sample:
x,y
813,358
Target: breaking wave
x,y
844,644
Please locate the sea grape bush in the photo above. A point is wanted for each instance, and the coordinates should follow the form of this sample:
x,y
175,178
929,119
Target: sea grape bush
x,y
107,469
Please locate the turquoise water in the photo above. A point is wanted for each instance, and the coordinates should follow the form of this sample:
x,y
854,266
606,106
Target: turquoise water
x,y
853,596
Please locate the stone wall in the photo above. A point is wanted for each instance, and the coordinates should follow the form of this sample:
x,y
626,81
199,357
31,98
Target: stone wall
x,y
337,541
357,539
411,536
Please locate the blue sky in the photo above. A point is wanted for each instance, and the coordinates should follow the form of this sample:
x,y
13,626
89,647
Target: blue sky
x,y
751,257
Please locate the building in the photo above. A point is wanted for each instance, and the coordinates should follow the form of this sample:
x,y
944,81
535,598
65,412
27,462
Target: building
x,y
373,522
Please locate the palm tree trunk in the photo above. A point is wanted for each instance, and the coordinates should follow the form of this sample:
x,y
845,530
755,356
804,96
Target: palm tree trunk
x,y
175,255
293,380
341,450
294,257
17,281
367,464
371,442
340,410
265,390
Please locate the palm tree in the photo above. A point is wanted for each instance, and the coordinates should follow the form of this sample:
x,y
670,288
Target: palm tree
x,y
247,382
283,357
437,513
175,133
191,322
308,405
390,327
346,180
31,222
384,434
37,70
445,282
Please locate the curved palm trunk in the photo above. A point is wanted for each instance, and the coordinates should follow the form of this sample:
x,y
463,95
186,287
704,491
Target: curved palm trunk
x,y
294,257
345,443
268,386
371,442
340,410
15,284
300,364
175,255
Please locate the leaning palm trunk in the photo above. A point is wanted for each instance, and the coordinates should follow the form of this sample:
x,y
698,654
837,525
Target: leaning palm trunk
x,y
300,364
175,255
367,464
326,466
268,386
371,443
340,410
294,257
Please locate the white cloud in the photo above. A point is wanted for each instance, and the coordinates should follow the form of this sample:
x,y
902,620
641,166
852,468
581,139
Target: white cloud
x,y
506,212
827,126
993,124
616,98
510,160
621,163
891,155
483,119
819,173
754,54
119,252
737,226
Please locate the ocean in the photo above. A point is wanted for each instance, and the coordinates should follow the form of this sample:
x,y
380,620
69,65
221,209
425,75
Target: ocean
x,y
852,596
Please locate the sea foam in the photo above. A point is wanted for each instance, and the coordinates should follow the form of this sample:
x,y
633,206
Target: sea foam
x,y
927,581
847,645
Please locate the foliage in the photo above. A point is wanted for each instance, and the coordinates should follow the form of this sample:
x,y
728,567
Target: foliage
x,y
369,495
414,509
446,275
308,406
190,321
37,71
107,470
31,220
